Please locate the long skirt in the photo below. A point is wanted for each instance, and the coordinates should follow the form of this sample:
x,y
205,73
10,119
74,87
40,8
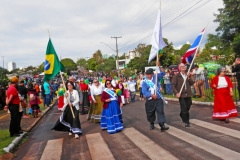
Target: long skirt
x,y
111,119
66,122
223,105
126,93
85,104
60,102
95,110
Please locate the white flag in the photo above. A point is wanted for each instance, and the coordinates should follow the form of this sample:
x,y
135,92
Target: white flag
x,y
157,41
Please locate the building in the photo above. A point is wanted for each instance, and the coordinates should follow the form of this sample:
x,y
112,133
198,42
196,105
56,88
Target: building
x,y
132,54
11,66
122,63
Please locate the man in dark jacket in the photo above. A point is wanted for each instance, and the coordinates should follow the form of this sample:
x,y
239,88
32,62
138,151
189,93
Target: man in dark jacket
x,y
184,96
22,90
236,69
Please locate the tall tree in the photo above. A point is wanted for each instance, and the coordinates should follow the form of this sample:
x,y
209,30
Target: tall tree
x,y
229,25
98,57
82,62
69,65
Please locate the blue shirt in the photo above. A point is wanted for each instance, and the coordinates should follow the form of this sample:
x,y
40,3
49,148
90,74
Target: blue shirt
x,y
145,87
46,88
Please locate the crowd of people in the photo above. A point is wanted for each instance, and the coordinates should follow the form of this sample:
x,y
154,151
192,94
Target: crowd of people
x,y
101,98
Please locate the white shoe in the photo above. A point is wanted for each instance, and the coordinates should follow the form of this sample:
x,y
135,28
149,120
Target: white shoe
x,y
76,136
70,133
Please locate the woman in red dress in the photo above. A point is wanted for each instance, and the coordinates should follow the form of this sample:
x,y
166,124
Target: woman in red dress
x,y
224,107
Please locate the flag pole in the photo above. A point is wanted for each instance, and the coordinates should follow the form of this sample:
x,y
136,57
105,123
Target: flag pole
x,y
192,61
157,60
64,84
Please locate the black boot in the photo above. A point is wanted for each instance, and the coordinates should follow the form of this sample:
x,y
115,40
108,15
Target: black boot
x,y
163,127
152,126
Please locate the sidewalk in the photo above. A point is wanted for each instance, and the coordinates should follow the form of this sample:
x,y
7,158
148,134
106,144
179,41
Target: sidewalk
x,y
26,124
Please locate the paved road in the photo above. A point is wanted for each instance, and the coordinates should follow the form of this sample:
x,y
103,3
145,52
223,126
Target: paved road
x,y
205,139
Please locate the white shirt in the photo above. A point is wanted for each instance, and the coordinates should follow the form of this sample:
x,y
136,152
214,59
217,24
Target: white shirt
x,y
131,86
222,83
96,91
141,82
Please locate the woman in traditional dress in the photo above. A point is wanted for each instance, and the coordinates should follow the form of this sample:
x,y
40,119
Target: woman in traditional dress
x,y
66,122
95,111
126,92
224,107
111,119
60,95
85,104
121,87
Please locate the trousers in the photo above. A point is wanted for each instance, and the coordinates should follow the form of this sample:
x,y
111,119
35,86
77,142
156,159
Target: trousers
x,y
155,106
185,104
14,122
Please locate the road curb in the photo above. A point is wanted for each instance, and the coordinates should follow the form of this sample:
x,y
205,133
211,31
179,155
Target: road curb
x,y
193,102
16,141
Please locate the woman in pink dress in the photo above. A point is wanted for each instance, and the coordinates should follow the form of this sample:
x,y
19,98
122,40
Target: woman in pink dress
x,y
126,92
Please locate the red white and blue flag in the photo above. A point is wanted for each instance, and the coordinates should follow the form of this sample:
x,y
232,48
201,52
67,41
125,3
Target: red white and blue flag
x,y
188,56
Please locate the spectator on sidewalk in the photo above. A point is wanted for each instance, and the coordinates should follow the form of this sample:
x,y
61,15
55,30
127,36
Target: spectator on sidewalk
x,y
12,103
205,72
167,83
22,90
132,88
47,97
199,82
2,98
236,69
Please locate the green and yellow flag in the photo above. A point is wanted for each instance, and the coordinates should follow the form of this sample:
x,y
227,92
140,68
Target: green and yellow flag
x,y
52,65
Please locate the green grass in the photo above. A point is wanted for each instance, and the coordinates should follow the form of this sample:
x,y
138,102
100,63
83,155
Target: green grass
x,y
5,140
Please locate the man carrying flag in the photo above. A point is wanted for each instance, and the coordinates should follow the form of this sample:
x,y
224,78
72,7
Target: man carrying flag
x,y
151,85
182,82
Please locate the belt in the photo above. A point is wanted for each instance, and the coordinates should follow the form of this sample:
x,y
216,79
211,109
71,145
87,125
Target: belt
x,y
85,91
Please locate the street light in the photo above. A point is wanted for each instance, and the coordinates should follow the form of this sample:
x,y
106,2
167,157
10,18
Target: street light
x,y
117,56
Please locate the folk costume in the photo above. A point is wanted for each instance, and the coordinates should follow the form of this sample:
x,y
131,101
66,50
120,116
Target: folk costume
x,y
66,122
60,95
154,105
111,119
85,103
224,107
120,86
185,99
95,110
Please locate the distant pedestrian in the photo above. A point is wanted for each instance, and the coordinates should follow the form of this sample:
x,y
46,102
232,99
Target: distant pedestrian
x,y
224,107
132,88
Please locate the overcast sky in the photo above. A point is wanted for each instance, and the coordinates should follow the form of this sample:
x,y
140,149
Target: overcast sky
x,y
78,26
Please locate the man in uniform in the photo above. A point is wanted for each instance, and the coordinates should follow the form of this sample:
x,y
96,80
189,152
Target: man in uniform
x,y
154,98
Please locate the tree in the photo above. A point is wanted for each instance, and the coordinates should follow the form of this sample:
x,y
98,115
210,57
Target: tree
x,y
69,65
98,57
229,25
82,62
182,51
92,64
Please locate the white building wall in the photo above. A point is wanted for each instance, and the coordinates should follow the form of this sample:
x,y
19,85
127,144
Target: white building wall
x,y
11,66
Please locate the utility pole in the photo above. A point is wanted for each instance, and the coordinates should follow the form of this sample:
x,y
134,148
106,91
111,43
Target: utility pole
x,y
3,60
117,54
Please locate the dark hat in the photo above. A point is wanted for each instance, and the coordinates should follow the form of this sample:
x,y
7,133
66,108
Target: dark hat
x,y
149,71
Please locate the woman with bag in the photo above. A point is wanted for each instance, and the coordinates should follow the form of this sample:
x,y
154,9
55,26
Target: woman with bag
x,y
66,122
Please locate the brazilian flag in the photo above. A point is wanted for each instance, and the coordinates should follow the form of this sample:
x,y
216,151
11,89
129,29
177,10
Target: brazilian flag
x,y
52,65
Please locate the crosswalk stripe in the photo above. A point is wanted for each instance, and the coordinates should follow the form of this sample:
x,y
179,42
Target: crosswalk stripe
x,y
151,149
224,130
53,150
98,147
237,120
205,145
35,151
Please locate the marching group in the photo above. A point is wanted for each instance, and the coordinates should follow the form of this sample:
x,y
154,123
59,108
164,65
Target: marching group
x,y
102,98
